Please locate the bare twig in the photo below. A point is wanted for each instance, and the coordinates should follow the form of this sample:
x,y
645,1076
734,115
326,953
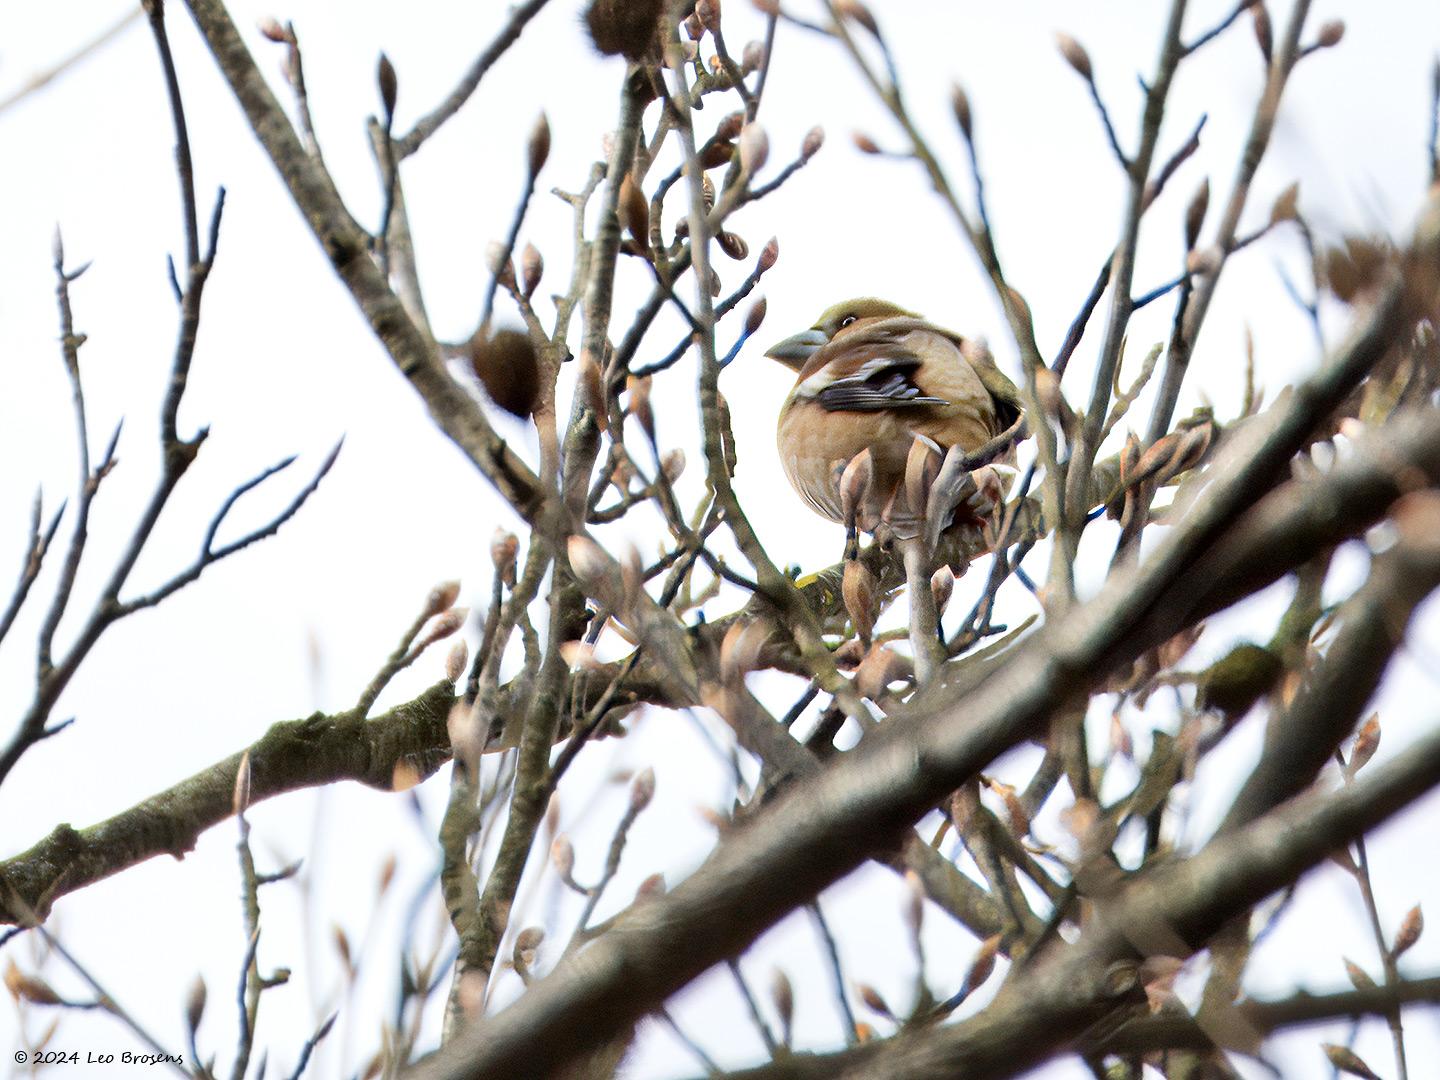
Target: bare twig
x,y
113,1007
41,79
431,122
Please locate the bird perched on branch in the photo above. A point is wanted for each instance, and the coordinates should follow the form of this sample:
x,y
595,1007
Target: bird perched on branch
x,y
873,376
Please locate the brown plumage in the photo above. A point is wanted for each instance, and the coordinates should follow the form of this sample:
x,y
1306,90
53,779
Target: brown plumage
x,y
871,375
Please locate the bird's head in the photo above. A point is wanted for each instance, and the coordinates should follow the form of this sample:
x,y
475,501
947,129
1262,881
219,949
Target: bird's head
x,y
833,322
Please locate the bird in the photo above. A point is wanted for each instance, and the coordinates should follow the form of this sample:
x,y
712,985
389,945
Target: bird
x,y
871,375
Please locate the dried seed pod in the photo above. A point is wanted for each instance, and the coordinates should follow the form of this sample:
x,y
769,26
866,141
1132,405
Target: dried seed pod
x,y
859,13
1411,927
960,105
1264,35
240,796
732,244
922,466
386,80
29,988
195,1004
860,591
589,563
1366,743
640,404
1195,213
1359,977
642,789
717,153
708,12
1346,1060
562,854
532,269
539,146
1285,206
500,264
783,995
1076,56
445,625
506,365
873,1001
983,964
635,211
455,660
503,550
729,127
589,384
755,316
441,597
864,143
754,148
811,144
1330,34
942,587
673,464
1018,818
768,256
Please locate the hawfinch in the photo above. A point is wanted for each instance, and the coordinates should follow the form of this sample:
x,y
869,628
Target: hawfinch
x,y
874,376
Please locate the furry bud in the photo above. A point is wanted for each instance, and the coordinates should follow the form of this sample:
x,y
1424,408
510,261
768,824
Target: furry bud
x,y
1076,56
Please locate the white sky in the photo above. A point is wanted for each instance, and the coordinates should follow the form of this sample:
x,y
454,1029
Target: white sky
x,y
286,365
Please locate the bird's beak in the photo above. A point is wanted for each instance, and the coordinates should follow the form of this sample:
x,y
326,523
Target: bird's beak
x,y
796,349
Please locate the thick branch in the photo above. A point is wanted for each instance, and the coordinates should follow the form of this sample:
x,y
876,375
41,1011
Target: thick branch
x,y
294,754
346,246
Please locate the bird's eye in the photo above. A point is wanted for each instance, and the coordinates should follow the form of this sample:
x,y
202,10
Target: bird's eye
x,y
846,321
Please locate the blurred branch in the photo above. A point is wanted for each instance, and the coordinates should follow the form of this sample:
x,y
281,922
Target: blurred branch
x,y
1057,1003
878,790
35,550
42,79
1302,738
1146,1034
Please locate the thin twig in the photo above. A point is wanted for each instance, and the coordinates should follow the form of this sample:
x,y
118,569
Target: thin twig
x,y
430,123
42,79
113,1007
837,974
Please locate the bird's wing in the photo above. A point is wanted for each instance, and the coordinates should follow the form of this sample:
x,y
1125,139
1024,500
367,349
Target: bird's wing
x,y
879,382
